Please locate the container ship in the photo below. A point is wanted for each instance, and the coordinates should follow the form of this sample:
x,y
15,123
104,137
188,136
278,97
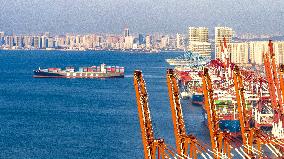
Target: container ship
x,y
191,82
228,120
102,71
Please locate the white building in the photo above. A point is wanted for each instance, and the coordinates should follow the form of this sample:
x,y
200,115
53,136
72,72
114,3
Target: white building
x,y
198,40
179,41
239,52
220,33
148,42
198,34
165,40
203,48
128,42
257,48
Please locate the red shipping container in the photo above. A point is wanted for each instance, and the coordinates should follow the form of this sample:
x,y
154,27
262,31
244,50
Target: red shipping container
x,y
90,70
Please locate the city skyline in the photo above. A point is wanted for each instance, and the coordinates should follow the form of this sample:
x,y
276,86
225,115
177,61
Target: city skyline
x,y
61,17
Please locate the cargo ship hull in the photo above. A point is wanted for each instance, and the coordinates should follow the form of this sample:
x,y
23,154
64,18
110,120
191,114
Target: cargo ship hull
x,y
226,125
197,99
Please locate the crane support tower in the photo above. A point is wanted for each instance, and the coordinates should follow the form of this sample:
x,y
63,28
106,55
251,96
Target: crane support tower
x,y
153,148
244,117
183,141
216,136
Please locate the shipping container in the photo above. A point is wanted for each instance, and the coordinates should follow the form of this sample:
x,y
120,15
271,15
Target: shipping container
x,y
108,68
121,69
98,69
90,69
112,68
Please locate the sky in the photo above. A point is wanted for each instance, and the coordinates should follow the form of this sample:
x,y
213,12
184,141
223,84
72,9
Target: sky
x,y
140,16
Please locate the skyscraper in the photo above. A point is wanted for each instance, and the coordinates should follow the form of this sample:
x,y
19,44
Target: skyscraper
x,y
198,34
128,44
198,40
239,53
164,42
220,33
141,39
126,32
36,42
257,48
50,42
148,42
2,38
179,41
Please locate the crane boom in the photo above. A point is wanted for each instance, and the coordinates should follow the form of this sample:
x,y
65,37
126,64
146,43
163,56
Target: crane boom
x,y
212,118
183,141
152,146
274,77
177,116
144,114
244,117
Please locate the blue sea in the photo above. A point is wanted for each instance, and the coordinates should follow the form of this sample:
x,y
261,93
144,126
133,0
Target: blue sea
x,y
83,118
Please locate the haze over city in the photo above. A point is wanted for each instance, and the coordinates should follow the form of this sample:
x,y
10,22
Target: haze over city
x,y
110,16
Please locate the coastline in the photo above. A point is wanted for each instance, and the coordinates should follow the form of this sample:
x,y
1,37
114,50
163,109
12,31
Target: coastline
x,y
103,50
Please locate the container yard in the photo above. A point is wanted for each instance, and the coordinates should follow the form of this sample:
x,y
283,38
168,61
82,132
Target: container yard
x,y
242,108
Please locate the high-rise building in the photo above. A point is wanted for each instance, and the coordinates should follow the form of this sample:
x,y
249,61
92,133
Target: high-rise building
x,y
198,34
50,42
164,42
279,51
148,42
71,39
60,42
2,34
257,48
179,41
239,53
43,42
27,41
36,42
203,48
128,44
141,39
9,42
77,41
198,38
126,32
220,33
18,41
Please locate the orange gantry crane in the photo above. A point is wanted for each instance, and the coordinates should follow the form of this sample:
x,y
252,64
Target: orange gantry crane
x,y
244,117
153,148
274,77
216,136
183,141
252,135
